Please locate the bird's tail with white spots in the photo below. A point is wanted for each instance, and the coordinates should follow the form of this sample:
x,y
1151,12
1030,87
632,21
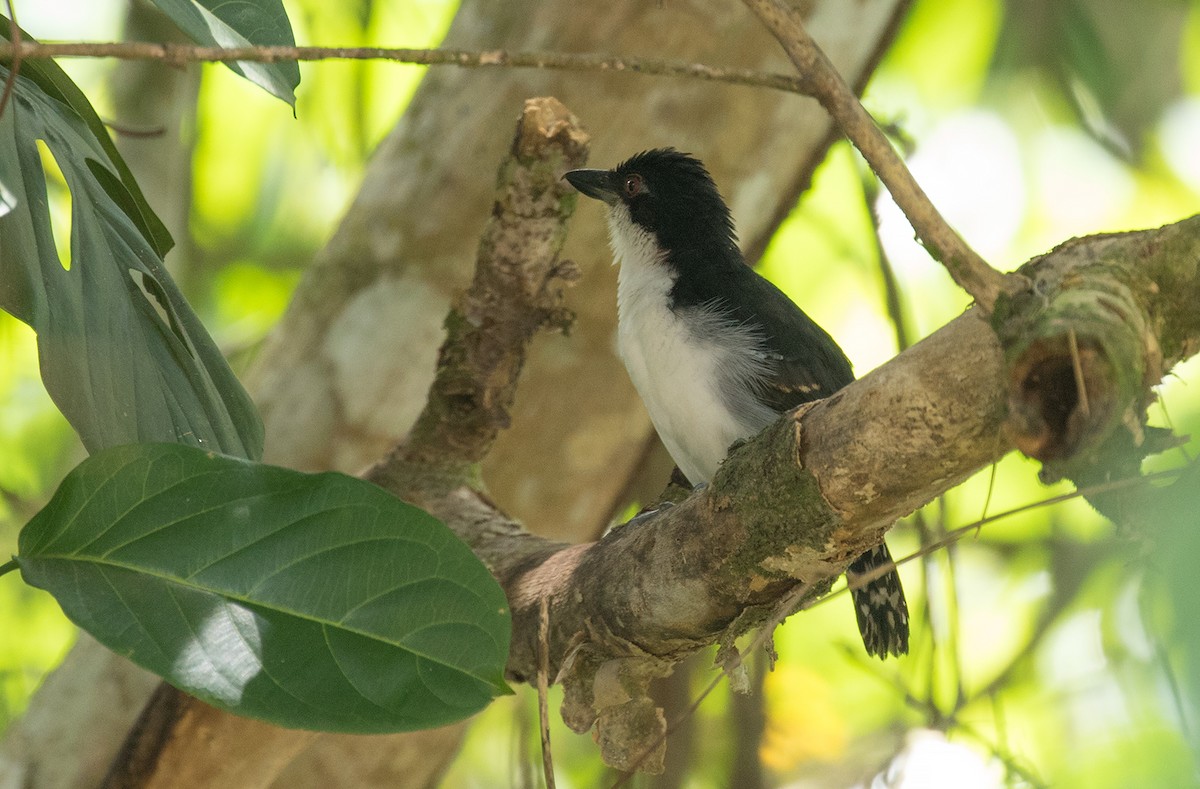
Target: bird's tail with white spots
x,y
879,604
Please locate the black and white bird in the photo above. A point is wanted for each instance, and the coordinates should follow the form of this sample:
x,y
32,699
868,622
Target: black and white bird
x,y
717,352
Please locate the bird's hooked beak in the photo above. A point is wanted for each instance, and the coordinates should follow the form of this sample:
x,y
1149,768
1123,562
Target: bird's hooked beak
x,y
594,183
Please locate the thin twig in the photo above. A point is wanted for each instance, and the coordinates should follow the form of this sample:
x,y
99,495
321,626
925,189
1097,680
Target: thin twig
x,y
1009,760
953,621
929,575
966,267
181,54
521,772
949,723
893,297
958,533
987,499
543,688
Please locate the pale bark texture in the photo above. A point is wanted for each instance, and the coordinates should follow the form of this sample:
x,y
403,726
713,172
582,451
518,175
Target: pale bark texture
x,y
347,371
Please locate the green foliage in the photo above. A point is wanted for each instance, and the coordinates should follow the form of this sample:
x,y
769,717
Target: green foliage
x,y
122,354
1113,68
314,601
240,23
251,227
309,600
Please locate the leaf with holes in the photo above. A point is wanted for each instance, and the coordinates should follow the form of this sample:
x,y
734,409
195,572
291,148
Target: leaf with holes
x,y
122,354
313,601
55,83
241,23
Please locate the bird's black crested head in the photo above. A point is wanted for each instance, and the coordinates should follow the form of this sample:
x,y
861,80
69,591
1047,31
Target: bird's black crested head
x,y
667,193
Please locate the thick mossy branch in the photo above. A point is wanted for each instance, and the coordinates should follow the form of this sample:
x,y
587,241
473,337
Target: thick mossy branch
x,y
1169,258
795,504
769,498
1079,360
1106,318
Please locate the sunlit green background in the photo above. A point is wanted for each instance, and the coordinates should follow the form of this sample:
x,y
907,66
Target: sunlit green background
x,y
1060,652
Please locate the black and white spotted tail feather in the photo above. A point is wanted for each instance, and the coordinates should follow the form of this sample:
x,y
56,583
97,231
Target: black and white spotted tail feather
x,y
879,605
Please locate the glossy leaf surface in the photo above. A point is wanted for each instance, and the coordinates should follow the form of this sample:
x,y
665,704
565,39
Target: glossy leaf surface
x,y
308,600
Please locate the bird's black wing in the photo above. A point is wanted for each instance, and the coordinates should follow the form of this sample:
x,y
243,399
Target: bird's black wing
x,y
807,363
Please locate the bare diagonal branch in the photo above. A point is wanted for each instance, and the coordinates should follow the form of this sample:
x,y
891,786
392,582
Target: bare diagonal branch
x,y
966,267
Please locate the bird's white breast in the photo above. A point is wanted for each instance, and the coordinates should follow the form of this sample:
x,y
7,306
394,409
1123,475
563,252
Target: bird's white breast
x,y
688,372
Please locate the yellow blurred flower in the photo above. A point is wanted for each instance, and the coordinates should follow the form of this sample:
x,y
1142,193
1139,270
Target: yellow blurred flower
x,y
804,722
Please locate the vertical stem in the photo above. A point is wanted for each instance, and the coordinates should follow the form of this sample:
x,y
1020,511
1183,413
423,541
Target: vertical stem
x,y
543,688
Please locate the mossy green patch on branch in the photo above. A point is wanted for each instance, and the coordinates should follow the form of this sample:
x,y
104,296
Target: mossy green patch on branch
x,y
780,503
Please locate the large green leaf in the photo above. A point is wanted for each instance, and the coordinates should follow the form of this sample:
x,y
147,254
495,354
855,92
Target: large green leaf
x,y
122,354
241,23
309,600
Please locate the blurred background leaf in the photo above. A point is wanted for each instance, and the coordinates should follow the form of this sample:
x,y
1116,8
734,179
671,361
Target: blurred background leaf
x,y
1114,65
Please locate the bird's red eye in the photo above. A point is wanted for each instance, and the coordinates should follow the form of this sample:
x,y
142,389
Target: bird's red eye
x,y
633,185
